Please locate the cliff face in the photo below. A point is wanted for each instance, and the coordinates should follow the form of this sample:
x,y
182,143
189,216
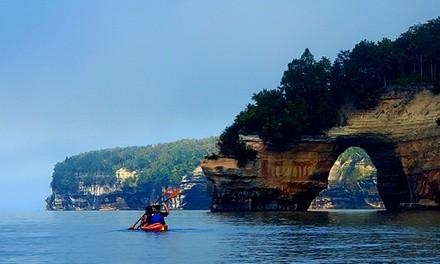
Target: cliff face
x,y
117,200
105,202
400,135
106,197
193,195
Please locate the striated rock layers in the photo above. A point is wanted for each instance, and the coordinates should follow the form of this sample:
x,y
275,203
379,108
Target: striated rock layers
x,y
401,136
193,195
105,202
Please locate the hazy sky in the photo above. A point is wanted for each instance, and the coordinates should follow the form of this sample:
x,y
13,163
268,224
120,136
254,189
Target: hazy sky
x,y
77,76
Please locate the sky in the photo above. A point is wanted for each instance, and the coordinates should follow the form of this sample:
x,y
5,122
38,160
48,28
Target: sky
x,y
77,76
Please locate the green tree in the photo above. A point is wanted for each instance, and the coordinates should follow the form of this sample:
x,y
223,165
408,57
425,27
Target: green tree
x,y
308,81
418,52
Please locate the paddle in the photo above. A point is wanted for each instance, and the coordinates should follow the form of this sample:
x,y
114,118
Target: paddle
x,y
173,194
163,194
140,218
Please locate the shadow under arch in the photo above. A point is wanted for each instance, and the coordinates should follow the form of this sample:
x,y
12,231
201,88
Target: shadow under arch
x,y
392,183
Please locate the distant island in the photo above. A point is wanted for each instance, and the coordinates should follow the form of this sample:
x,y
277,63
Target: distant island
x,y
126,178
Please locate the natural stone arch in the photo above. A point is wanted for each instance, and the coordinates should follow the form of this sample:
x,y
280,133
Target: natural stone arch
x,y
392,183
352,183
401,136
292,178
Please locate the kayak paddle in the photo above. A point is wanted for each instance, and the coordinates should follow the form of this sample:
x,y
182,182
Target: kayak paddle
x,y
163,194
173,194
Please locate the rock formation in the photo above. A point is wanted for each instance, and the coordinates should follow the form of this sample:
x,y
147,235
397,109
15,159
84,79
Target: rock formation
x,y
117,200
401,136
103,196
352,184
113,197
193,195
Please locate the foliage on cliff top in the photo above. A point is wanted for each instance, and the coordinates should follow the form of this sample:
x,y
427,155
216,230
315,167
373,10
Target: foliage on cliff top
x,y
156,165
311,92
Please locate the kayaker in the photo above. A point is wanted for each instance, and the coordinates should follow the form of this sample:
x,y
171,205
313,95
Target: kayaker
x,y
146,218
158,216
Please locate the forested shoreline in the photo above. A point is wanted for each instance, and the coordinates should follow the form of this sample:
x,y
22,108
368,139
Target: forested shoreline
x,y
154,166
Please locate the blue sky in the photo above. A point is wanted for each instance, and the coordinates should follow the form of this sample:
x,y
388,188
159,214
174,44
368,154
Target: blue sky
x,y
77,76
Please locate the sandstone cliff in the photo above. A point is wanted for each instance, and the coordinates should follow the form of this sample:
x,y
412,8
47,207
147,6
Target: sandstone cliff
x,y
193,195
113,197
401,136
106,197
117,200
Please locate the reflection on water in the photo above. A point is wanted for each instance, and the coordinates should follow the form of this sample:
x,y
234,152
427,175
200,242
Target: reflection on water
x,y
346,236
336,236
332,218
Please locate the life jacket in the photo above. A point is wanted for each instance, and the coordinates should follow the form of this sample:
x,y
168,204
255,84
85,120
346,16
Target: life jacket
x,y
157,218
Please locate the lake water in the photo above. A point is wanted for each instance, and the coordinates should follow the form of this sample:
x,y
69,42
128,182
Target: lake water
x,y
346,236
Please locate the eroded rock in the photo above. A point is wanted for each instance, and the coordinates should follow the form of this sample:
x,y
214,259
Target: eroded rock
x,y
400,135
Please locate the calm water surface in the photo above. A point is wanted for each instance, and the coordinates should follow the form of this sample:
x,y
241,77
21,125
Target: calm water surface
x,y
349,236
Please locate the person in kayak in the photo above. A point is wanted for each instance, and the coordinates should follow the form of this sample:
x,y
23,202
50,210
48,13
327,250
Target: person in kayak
x,y
146,218
158,216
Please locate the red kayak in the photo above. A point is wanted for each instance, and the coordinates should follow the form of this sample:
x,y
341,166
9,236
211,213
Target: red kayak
x,y
158,227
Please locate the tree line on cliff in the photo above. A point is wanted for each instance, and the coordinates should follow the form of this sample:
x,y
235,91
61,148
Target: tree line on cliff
x,y
156,166
312,92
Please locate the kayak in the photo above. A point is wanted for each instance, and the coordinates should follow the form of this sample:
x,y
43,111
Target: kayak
x,y
154,227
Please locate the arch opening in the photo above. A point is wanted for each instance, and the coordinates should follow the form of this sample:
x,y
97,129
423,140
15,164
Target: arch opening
x,y
352,183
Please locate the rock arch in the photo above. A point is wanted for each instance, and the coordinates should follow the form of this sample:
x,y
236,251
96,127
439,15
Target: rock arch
x,y
392,183
401,136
